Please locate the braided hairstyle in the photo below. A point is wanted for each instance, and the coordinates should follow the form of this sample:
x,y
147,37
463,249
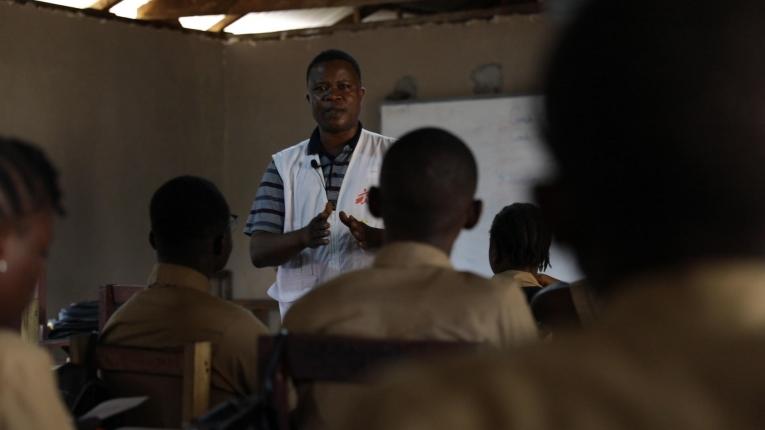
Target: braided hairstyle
x,y
28,181
521,237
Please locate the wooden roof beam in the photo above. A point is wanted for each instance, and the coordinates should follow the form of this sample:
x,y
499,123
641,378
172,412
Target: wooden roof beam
x,y
171,9
104,4
223,23
531,7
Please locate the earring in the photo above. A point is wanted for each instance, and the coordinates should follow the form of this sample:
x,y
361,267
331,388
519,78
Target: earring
x,y
3,266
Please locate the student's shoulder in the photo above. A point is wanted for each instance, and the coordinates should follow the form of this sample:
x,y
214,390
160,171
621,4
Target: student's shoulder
x,y
237,315
495,289
329,291
329,295
470,279
17,353
12,340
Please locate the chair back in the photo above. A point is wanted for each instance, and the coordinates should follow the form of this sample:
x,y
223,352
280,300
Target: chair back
x,y
111,297
176,381
306,359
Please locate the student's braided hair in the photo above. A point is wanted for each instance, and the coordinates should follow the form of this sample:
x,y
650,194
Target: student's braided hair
x,y
28,180
522,237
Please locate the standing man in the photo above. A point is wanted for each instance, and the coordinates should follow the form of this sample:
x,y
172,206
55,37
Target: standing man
x,y
309,189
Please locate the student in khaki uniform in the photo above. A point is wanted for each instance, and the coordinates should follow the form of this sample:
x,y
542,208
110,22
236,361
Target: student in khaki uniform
x,y
427,183
190,231
519,246
412,291
655,117
29,200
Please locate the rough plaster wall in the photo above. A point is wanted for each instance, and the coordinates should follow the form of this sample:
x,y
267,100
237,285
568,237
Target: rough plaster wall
x,y
120,109
266,108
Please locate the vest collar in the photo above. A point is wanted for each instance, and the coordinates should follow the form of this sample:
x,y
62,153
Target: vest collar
x,y
314,143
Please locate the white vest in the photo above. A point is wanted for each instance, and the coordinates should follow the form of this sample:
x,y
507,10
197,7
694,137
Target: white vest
x,y
305,197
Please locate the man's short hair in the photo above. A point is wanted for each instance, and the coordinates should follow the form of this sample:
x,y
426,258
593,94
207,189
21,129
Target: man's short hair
x,y
333,55
427,178
521,237
28,180
186,210
654,116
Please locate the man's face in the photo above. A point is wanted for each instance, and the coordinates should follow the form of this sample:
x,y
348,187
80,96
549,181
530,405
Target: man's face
x,y
335,94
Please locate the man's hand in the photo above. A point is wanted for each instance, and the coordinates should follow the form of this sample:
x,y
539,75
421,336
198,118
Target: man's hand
x,y
545,280
316,233
367,237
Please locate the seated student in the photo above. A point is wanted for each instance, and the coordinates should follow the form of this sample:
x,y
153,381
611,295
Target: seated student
x,y
561,306
425,198
519,249
190,231
519,246
29,199
654,113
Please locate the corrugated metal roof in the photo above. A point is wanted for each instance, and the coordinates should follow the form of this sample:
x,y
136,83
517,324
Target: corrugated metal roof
x,y
269,22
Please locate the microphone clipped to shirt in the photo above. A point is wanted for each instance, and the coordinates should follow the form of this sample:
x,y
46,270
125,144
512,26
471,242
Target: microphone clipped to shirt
x,y
315,164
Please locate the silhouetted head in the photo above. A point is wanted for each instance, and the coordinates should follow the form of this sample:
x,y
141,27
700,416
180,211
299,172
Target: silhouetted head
x,y
29,199
655,115
519,239
190,224
427,184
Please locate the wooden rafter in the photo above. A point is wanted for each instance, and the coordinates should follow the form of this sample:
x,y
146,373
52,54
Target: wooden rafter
x,y
171,9
531,7
353,18
223,23
104,4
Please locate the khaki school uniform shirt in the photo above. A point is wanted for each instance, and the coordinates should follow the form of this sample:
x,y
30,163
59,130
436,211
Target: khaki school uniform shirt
x,y
177,309
681,350
411,292
29,397
524,279
529,284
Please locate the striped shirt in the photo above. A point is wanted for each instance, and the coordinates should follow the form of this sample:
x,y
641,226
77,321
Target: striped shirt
x,y
267,212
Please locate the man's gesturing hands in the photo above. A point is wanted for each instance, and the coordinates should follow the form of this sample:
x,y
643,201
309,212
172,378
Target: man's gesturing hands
x,y
316,233
367,237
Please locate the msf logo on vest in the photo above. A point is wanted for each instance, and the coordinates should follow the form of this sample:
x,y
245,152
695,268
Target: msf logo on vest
x,y
361,199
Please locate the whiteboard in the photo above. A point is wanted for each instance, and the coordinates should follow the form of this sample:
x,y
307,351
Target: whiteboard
x,y
502,133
